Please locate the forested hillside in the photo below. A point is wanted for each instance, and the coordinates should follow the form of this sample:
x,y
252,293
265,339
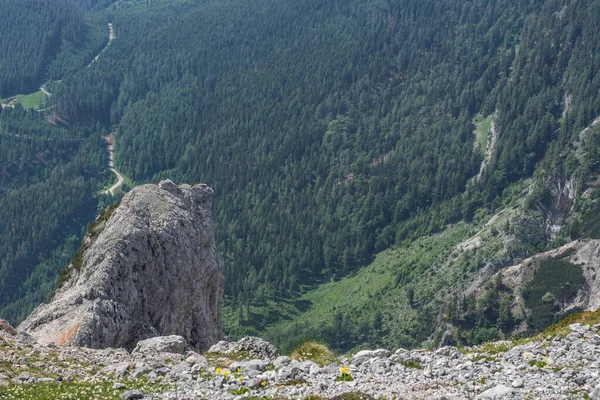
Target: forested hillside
x,y
50,169
48,179
321,125
332,130
31,32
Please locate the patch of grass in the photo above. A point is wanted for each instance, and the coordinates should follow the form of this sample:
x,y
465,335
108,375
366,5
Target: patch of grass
x,y
76,390
104,216
493,348
482,129
295,382
539,364
353,396
315,352
412,363
562,327
29,101
381,285
483,357
239,392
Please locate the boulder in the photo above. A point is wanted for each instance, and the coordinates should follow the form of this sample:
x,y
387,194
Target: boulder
x,y
253,346
161,344
497,392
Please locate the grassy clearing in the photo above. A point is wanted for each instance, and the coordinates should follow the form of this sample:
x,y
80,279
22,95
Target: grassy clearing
x,y
30,101
383,285
482,129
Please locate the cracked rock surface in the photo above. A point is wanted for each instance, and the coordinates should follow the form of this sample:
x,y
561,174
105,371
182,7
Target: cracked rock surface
x,y
150,268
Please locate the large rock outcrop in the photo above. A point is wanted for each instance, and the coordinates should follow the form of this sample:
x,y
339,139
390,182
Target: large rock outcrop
x,y
147,268
582,253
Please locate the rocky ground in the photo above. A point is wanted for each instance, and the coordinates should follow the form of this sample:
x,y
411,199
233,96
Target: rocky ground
x,y
553,367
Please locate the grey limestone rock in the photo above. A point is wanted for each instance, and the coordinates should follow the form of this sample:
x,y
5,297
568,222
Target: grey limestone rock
x,y
596,393
149,269
498,392
244,366
253,346
161,344
281,361
132,394
517,383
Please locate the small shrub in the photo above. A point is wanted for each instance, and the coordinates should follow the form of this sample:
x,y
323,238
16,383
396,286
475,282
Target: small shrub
x,y
412,363
315,352
539,364
104,216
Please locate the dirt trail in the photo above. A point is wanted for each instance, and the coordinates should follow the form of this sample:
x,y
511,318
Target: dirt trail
x,y
111,37
111,165
46,92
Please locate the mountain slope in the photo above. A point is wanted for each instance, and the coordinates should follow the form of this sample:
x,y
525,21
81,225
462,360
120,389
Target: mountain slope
x,y
341,120
333,130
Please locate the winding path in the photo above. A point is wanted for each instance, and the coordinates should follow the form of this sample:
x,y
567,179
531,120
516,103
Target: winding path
x,y
46,92
111,165
111,37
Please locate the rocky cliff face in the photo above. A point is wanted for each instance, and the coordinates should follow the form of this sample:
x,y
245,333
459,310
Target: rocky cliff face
x,y
584,254
147,269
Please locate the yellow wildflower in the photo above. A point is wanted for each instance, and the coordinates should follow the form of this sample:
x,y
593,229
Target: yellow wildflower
x,y
345,370
226,372
218,370
263,384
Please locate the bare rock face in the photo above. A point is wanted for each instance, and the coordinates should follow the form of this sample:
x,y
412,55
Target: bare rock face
x,y
148,268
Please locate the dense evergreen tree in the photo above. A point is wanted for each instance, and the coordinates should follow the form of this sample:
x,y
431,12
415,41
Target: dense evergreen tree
x,y
31,32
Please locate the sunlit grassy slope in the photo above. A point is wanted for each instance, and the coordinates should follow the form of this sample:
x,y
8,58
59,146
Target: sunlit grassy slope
x,y
31,101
